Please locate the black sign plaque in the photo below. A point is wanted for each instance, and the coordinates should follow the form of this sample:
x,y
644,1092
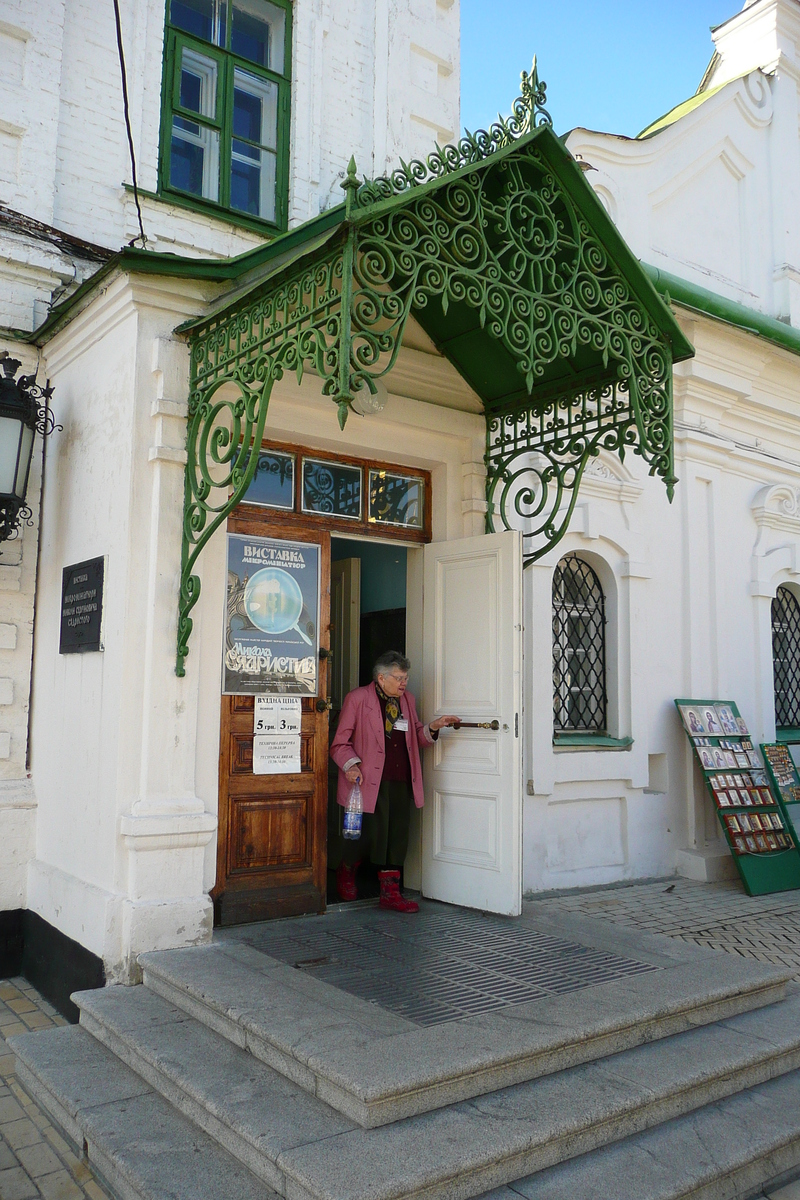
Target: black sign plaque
x,y
82,607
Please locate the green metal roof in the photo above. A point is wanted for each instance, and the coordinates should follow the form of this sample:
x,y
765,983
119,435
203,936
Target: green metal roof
x,y
711,304
680,110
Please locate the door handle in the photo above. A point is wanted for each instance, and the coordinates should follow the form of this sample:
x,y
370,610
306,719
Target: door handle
x,y
477,725
324,705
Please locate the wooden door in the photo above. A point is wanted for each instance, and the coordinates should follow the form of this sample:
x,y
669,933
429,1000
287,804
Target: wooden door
x,y
271,850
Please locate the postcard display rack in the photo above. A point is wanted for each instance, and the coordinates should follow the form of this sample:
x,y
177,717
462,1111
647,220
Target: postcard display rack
x,y
785,784
754,821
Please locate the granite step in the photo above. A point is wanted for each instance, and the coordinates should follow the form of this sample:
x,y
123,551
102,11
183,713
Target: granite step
x,y
735,1149
137,1144
308,1151
254,1112
376,1067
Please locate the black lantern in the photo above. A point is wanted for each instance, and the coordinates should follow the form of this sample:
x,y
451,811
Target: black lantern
x,y
24,411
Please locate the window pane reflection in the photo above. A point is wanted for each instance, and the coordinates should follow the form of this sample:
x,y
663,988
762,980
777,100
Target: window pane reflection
x,y
331,488
203,18
259,33
253,161
273,482
194,159
396,499
198,83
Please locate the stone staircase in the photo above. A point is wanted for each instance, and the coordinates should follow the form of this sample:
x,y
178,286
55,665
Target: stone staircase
x,y
229,1075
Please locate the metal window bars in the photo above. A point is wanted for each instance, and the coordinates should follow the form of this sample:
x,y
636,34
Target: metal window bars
x,y
579,649
786,658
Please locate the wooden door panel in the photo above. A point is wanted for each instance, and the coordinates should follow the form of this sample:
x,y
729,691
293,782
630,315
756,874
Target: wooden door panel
x,y
272,851
270,831
241,753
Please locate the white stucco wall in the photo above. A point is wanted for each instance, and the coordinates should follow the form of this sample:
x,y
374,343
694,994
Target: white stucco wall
x,y
124,754
375,79
17,589
688,589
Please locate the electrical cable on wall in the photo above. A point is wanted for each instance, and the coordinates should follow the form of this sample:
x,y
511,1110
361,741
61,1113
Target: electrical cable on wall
x,y
141,237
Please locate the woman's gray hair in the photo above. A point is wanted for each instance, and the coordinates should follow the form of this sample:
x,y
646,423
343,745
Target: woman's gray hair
x,y
389,659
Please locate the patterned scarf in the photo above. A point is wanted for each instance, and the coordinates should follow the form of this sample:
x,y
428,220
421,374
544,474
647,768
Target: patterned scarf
x,y
392,710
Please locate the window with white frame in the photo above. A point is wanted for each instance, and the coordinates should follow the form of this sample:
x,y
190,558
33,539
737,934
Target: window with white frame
x,y
579,649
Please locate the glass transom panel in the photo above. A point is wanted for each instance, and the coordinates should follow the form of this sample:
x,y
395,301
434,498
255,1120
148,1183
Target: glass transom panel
x,y
331,488
396,499
273,482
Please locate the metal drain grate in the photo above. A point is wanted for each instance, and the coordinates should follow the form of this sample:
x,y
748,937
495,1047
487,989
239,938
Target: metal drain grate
x,y
439,967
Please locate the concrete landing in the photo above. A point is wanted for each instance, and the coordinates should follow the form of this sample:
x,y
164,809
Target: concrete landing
x,y
375,1066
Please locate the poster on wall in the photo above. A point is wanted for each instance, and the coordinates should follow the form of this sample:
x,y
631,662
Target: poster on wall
x,y
271,644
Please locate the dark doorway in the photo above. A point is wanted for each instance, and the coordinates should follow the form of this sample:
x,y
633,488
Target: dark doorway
x,y
368,616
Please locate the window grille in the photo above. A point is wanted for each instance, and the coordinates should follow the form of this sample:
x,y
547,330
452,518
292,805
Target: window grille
x,y
786,658
579,649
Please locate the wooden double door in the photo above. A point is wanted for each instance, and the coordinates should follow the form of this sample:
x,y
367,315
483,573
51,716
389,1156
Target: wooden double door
x,y
271,849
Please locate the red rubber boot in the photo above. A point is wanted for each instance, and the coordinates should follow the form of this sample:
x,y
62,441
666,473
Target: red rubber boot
x,y
346,886
391,896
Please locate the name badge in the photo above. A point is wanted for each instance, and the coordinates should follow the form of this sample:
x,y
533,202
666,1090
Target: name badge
x,y
401,724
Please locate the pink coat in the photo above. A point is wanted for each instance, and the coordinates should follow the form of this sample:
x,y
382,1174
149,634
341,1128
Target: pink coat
x,y
360,734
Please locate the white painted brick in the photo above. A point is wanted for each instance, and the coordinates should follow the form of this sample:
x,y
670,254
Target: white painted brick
x,y
5,745
8,637
6,690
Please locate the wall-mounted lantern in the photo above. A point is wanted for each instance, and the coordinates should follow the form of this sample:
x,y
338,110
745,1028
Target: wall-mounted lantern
x,y
24,412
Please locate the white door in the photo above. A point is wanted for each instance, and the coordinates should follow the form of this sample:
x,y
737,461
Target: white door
x,y
472,666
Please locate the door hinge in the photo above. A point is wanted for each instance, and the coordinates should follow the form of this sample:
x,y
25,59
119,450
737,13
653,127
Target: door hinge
x,y
516,724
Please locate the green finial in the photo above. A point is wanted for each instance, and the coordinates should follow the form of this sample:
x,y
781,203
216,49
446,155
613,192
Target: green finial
x,y
351,185
344,409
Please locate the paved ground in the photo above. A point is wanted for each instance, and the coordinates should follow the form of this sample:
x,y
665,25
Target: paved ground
x,y
36,1162
718,915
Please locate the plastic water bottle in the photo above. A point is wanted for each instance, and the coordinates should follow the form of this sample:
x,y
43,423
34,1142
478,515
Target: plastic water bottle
x,y
351,826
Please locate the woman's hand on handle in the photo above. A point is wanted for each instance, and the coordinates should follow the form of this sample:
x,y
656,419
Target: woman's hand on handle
x,y
354,776
442,722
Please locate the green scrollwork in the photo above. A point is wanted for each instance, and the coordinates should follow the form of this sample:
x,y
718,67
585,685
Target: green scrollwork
x,y
527,113
487,227
536,455
218,470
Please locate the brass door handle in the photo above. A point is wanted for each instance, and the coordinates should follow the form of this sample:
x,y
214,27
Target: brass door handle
x,y
324,705
478,725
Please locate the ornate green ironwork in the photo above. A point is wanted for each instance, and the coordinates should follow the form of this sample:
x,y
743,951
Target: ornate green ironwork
x,y
536,455
486,230
527,114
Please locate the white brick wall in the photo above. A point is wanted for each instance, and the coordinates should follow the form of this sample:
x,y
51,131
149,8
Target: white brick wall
x,y
374,78
377,78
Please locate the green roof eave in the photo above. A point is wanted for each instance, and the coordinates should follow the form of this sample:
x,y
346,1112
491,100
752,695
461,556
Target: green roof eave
x,y
629,266
132,259
711,304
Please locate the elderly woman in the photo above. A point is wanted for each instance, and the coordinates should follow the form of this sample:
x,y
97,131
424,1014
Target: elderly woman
x,y
377,745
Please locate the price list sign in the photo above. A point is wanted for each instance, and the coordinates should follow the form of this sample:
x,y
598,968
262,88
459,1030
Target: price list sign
x,y
748,808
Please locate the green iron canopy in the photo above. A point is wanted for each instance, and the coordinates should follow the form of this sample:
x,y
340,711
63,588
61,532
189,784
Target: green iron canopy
x,y
506,258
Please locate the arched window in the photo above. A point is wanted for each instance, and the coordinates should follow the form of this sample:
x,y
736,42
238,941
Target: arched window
x,y
786,658
579,649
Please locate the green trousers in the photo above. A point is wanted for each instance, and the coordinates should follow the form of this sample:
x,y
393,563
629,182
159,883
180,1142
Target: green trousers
x,y
384,833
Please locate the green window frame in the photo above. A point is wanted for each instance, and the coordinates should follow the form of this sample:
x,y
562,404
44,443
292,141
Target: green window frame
x,y
225,118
